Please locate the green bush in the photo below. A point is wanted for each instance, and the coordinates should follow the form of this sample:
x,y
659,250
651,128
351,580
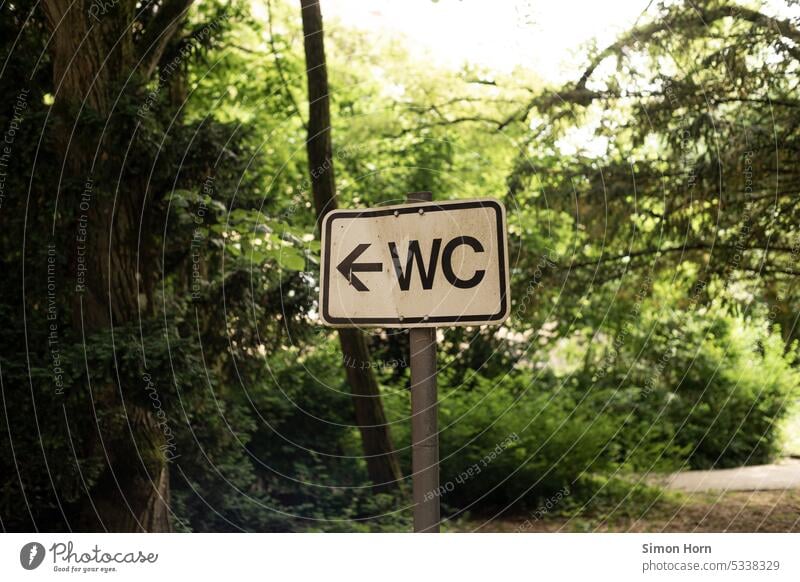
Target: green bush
x,y
736,390
516,439
705,388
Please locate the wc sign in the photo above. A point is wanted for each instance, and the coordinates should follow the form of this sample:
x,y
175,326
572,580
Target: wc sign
x,y
426,264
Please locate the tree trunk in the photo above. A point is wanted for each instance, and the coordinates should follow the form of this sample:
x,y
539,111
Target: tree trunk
x,y
382,466
376,440
93,55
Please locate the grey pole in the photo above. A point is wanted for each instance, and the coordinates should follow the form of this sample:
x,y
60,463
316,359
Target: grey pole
x,y
424,421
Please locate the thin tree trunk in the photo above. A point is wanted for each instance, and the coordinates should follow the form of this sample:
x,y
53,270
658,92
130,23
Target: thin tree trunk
x,y
382,465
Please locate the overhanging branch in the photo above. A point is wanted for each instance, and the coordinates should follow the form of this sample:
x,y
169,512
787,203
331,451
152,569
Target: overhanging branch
x,y
160,31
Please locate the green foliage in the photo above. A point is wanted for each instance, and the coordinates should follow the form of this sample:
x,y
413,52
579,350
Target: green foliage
x,y
526,436
735,388
624,354
703,386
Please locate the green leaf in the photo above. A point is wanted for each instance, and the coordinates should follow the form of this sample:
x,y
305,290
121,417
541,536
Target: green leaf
x,y
291,259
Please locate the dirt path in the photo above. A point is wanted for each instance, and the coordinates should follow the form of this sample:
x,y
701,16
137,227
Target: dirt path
x,y
784,474
727,511
763,498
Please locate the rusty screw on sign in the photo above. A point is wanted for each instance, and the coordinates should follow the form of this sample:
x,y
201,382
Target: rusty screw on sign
x,y
424,421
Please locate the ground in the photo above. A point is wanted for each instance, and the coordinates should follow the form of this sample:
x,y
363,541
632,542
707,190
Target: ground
x,y
763,498
730,511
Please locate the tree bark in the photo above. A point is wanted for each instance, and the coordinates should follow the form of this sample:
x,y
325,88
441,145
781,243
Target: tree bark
x,y
93,55
382,465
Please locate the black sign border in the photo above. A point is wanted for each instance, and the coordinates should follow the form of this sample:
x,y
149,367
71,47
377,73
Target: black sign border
x,y
414,209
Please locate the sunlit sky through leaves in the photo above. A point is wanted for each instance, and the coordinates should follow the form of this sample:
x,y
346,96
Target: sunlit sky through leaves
x,y
548,37
500,35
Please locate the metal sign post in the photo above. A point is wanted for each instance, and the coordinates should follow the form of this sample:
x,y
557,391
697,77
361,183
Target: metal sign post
x,y
424,420
417,266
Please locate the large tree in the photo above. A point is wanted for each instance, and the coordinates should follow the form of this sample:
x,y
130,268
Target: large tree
x,y
100,267
97,51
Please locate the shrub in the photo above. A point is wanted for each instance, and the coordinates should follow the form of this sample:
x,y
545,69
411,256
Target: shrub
x,y
704,389
516,439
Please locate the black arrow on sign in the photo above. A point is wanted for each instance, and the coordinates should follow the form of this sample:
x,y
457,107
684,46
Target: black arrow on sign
x,y
348,266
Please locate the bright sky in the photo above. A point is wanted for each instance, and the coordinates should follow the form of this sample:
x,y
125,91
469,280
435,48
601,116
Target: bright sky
x,y
543,35
546,36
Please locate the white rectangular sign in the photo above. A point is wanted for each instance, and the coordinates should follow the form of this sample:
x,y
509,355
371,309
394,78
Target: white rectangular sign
x,y
425,264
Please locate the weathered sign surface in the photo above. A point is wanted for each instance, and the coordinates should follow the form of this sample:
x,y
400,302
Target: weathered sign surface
x,y
415,265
